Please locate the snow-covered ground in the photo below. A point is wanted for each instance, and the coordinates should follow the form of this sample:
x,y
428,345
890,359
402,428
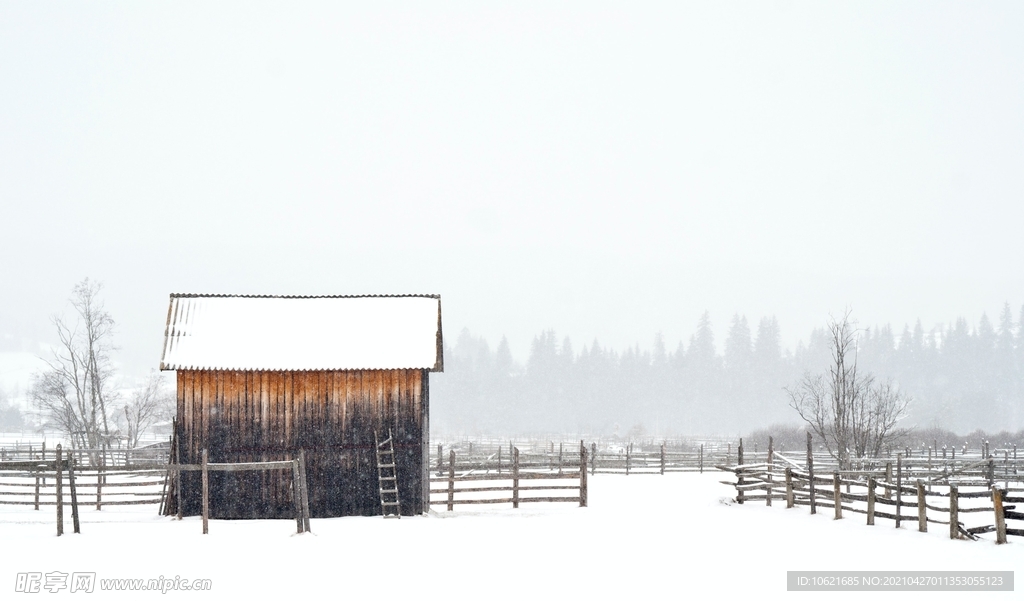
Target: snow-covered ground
x,y
673,536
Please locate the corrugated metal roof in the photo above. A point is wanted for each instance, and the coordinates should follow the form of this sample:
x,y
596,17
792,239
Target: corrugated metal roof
x,y
294,333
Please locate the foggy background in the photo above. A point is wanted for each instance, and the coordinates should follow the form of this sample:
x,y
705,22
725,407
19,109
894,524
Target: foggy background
x,y
606,171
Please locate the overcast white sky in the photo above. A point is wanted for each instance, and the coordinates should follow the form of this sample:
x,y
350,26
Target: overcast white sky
x,y
609,170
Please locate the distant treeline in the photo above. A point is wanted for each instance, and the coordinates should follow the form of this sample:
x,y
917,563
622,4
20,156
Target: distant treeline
x,y
794,438
962,378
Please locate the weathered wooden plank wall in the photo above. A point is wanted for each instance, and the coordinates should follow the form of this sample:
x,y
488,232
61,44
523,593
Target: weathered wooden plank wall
x,y
245,416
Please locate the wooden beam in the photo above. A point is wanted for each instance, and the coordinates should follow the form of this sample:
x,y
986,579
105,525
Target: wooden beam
x,y
300,523
871,501
837,497
922,508
206,495
583,472
60,491
451,480
997,506
74,495
789,487
515,478
810,474
954,512
305,491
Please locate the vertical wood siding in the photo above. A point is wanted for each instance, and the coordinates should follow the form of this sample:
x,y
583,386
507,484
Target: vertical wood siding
x,y
268,416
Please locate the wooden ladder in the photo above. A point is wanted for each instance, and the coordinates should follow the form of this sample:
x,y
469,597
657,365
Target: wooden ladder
x,y
387,476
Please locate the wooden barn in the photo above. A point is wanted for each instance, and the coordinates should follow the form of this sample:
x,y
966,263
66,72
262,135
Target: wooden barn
x,y
261,377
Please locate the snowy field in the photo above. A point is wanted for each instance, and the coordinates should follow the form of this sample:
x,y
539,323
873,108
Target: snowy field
x,y
673,536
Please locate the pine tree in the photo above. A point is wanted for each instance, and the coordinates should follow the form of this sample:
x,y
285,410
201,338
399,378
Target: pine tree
x,y
702,345
768,346
738,347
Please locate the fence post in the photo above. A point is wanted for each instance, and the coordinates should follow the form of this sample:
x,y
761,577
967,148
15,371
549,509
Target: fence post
x,y
702,457
789,488
662,459
1000,518
922,509
771,455
739,473
991,469
305,490
60,492
1006,468
871,501
206,494
451,480
837,495
954,512
583,475
440,460
559,458
888,480
74,493
899,488
593,458
810,474
499,459
629,451
515,478
297,497
100,463
37,490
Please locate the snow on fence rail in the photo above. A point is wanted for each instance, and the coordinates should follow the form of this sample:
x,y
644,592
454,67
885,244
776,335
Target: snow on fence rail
x,y
956,498
510,482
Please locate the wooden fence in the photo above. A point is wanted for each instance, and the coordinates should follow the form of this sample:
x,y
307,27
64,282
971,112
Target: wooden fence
x,y
35,483
300,491
966,497
626,459
150,456
58,466
505,484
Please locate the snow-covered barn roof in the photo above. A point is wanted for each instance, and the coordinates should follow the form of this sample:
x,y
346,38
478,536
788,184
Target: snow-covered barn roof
x,y
297,333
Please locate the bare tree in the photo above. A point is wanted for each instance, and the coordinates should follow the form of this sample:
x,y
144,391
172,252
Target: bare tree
x,y
146,406
73,394
852,414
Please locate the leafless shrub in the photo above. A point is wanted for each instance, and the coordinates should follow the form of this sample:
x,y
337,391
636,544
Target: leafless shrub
x,y
146,406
